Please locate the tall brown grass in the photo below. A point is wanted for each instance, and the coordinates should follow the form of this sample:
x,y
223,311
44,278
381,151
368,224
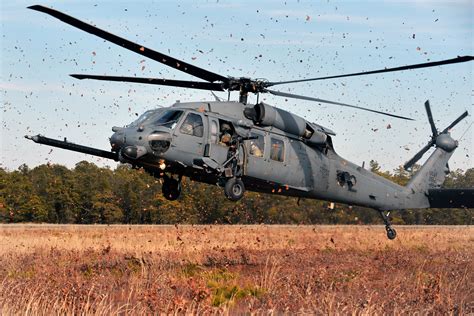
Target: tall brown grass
x,y
102,270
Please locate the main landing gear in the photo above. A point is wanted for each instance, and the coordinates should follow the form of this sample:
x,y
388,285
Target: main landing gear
x,y
171,188
391,232
234,189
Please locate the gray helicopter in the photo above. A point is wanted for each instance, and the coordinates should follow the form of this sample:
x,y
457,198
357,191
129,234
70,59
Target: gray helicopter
x,y
258,147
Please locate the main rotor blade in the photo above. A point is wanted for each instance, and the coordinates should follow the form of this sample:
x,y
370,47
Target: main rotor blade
x,y
434,131
139,49
418,155
459,119
296,96
459,59
163,82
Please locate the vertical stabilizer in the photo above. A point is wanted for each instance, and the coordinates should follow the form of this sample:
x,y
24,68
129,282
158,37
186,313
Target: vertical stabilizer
x,y
432,174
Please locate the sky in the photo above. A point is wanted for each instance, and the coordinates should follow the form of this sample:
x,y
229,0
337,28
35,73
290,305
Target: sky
x,y
275,40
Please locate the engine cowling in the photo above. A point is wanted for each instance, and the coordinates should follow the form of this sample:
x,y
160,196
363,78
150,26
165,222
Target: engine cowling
x,y
317,138
266,115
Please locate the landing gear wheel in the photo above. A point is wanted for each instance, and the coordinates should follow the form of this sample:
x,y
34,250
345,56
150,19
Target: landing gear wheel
x,y
234,189
391,233
171,189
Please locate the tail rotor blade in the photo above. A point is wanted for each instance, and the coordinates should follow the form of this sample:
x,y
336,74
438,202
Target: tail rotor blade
x,y
430,118
418,156
459,119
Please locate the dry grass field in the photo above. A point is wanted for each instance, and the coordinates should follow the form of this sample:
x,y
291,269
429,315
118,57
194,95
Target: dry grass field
x,y
56,269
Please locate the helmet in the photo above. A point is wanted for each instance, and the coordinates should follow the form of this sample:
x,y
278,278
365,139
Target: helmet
x,y
225,127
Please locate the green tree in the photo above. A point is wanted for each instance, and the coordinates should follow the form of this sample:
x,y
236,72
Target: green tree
x,y
55,185
89,194
105,209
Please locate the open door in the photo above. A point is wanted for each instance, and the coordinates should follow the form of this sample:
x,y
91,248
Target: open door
x,y
220,146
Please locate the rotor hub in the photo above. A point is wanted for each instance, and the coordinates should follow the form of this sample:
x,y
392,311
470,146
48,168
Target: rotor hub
x,y
446,142
245,85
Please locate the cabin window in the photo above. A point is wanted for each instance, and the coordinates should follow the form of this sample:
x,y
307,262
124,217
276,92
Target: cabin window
x,y
257,145
214,131
277,150
192,125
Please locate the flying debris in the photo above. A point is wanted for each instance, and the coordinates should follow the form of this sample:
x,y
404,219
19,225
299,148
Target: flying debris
x,y
240,146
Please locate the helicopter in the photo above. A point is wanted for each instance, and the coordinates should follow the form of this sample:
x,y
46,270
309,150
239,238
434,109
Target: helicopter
x,y
259,147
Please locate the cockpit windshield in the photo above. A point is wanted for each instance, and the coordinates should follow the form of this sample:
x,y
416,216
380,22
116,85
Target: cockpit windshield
x,y
159,117
142,118
168,118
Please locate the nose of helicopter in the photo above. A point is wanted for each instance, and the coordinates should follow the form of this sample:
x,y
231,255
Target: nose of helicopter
x,y
134,143
117,140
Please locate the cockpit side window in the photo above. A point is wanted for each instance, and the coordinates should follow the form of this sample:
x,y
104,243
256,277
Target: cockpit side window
x,y
193,125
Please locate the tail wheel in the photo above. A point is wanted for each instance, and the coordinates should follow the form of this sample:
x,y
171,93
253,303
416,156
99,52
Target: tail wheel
x,y
391,233
234,189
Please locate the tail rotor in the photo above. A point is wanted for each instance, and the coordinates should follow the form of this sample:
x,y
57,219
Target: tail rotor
x,y
442,140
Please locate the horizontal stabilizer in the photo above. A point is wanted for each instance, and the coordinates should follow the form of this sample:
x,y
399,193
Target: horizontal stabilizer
x,y
451,198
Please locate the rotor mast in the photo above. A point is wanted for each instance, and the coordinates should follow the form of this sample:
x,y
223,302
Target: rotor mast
x,y
244,85
243,95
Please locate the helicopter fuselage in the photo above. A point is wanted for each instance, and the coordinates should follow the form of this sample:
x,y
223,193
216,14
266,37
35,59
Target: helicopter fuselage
x,y
185,139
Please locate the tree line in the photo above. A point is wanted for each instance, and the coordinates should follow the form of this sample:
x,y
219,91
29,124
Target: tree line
x,y
88,194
